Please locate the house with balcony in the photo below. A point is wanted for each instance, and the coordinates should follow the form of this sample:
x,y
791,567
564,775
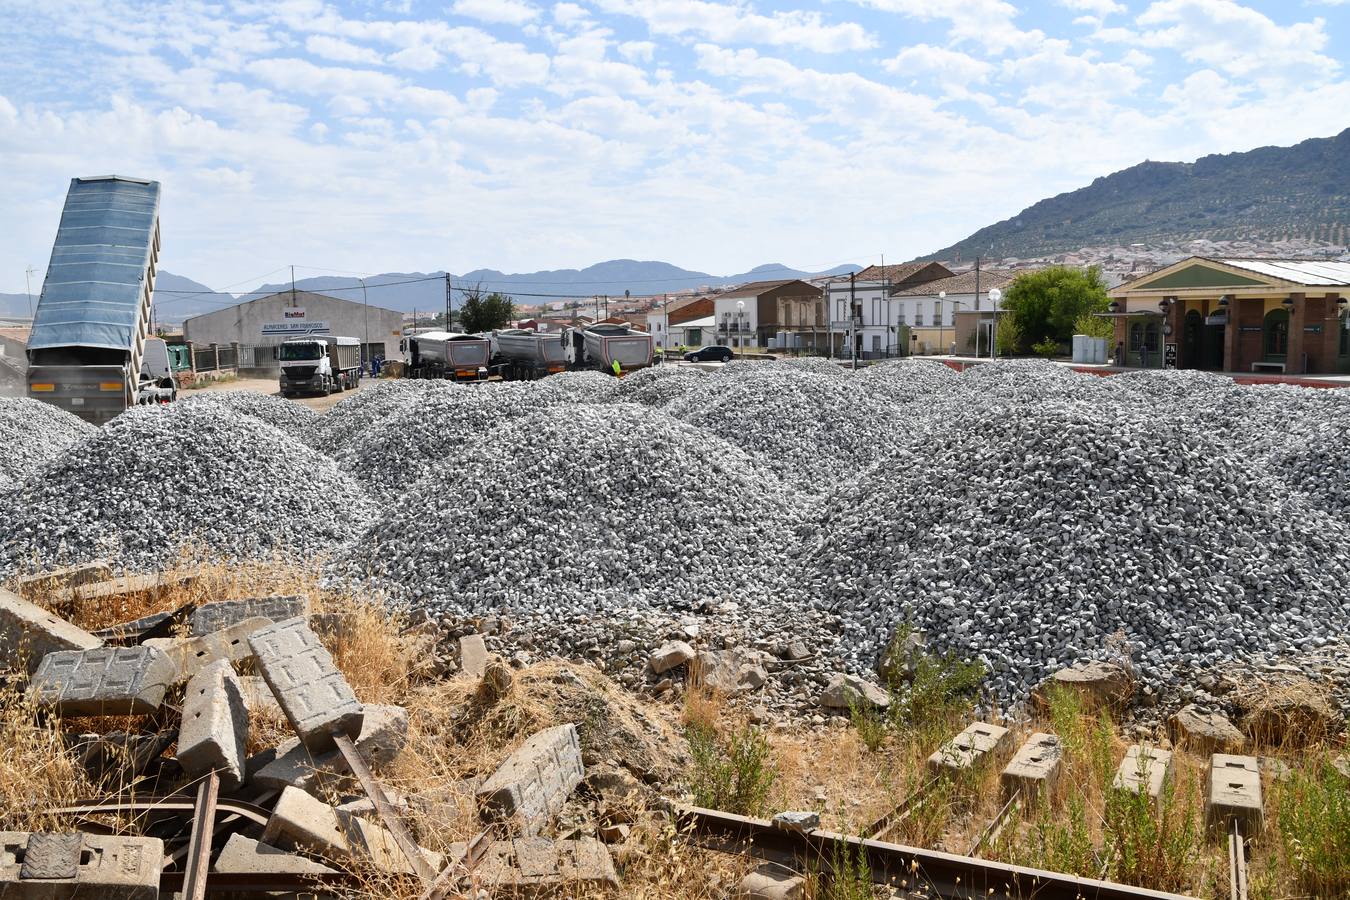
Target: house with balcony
x,y
956,312
766,315
865,317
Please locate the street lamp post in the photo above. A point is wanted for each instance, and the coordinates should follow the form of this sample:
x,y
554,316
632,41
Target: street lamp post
x,y
995,295
942,298
365,309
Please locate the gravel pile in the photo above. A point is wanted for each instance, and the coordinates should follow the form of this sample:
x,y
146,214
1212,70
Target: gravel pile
x,y
905,380
32,435
350,418
409,442
1030,535
588,386
658,385
294,419
603,507
811,430
159,479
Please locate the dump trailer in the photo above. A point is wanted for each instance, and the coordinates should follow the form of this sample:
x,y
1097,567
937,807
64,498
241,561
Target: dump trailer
x,y
93,317
602,344
157,381
319,364
448,354
525,355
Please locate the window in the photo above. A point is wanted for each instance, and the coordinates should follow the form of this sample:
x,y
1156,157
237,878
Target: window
x,y
1345,334
1151,337
1276,336
876,343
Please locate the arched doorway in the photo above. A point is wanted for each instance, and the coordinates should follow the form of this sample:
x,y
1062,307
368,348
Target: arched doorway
x,y
1275,336
1192,340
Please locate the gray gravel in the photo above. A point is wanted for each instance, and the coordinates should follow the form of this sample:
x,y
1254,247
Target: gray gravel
x,y
32,435
160,480
294,419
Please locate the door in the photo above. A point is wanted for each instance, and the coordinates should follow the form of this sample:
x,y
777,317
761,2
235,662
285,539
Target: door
x,y
1192,340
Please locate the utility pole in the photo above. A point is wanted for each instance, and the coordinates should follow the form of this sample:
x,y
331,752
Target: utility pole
x,y
28,284
450,304
852,325
292,287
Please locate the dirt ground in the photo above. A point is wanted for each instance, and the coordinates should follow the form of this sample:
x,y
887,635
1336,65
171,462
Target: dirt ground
x,y
269,386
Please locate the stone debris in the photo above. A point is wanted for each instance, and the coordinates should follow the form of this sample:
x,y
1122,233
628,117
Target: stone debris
x,y
29,632
245,856
63,578
1144,768
104,681
847,691
35,435
531,866
384,732
1099,684
730,672
1204,732
670,655
191,655
301,821
473,655
130,585
974,746
770,882
797,820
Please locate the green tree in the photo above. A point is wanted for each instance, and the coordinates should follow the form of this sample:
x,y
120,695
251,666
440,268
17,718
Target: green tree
x,y
1046,305
481,313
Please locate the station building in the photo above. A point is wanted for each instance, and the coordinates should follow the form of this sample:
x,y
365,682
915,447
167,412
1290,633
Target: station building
x,y
1235,315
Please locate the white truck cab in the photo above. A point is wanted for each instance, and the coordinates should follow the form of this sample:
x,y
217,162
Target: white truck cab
x,y
319,365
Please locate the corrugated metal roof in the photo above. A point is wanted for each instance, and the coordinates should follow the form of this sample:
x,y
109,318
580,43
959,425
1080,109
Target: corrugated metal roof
x,y
1301,271
92,293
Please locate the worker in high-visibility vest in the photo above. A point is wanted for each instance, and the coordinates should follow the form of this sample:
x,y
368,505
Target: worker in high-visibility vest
x,y
618,369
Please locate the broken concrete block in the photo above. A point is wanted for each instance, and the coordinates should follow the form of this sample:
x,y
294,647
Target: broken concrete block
x,y
105,681
845,691
135,628
154,585
302,821
215,725
63,578
1099,684
228,644
770,882
1144,768
384,732
245,856
473,655
528,866
1234,792
29,632
103,866
212,617
532,785
312,692
1034,767
118,751
670,655
1204,732
978,742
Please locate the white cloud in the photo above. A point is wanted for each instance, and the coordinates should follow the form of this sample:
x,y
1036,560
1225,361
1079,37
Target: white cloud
x,y
637,51
569,13
1101,8
340,51
501,12
987,24
728,24
950,67
1055,77
1238,40
1200,93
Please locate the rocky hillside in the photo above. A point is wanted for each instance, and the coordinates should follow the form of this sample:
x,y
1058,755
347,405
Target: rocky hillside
x,y
1272,193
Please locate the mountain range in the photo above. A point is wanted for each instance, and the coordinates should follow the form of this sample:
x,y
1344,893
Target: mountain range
x,y
1267,194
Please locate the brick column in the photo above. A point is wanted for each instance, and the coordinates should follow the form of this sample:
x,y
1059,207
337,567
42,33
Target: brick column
x,y
1231,362
1331,332
1293,361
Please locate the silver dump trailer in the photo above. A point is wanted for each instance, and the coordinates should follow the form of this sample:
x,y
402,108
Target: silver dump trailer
x,y
93,318
448,354
606,343
523,355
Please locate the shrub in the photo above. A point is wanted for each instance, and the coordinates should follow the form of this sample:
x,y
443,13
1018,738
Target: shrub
x,y
1151,847
1314,816
733,773
1046,348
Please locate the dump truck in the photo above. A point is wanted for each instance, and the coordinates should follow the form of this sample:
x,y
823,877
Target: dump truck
x,y
521,355
319,364
92,321
598,346
448,354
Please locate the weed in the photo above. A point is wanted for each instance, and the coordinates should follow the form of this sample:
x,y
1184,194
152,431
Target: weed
x,y
732,773
1152,846
1060,841
1313,807
929,690
850,875
870,723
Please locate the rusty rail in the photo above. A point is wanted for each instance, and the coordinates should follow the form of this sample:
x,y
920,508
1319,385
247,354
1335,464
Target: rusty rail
x,y
910,869
199,845
383,807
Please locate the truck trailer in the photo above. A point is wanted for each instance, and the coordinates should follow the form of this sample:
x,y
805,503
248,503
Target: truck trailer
x,y
525,355
319,364
92,321
448,354
598,346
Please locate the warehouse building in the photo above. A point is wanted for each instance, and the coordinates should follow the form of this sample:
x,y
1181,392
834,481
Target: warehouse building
x,y
1235,315
259,326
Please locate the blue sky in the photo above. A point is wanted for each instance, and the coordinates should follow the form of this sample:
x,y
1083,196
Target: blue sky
x,y
400,135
